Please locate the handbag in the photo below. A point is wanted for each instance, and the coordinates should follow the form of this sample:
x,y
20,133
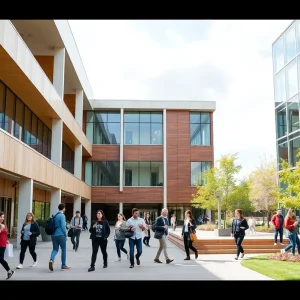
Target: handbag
x,y
158,234
70,232
9,250
128,234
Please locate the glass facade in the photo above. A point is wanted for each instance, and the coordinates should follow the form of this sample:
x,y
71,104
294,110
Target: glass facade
x,y
200,129
286,71
103,127
67,158
197,167
143,173
18,120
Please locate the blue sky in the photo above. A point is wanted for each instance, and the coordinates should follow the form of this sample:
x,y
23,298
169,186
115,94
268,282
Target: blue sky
x,y
227,61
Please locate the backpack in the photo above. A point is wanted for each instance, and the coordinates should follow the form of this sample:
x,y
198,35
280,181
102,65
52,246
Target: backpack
x,y
50,225
153,227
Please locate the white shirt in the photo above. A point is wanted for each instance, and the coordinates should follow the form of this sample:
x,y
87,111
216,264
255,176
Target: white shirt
x,y
186,225
138,233
173,219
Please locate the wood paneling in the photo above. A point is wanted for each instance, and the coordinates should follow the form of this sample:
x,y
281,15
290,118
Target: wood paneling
x,y
6,188
143,153
47,64
20,159
70,100
179,156
105,152
41,195
129,195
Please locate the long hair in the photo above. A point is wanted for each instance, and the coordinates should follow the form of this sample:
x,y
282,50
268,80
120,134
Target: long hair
x,y
290,214
124,219
238,210
33,219
190,213
1,214
103,216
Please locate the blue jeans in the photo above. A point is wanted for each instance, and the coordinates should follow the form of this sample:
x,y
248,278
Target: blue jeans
x,y
62,242
280,231
120,247
294,240
139,249
238,241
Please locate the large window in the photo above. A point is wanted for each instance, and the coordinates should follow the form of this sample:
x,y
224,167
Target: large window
x,y
17,119
200,128
282,152
294,146
197,167
143,173
41,210
103,127
143,128
291,79
278,55
67,158
293,114
102,173
281,121
290,44
279,86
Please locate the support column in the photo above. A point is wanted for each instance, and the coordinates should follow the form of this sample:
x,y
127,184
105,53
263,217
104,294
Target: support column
x,y
88,212
55,200
121,207
24,204
121,149
165,155
79,107
77,204
59,71
56,142
78,161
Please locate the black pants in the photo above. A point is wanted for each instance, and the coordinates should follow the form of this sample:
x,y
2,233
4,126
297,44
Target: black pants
x,y
24,245
76,234
147,238
96,243
238,240
188,244
84,227
2,260
120,247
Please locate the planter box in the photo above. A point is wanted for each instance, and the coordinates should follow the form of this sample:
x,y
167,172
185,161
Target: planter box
x,y
44,235
223,232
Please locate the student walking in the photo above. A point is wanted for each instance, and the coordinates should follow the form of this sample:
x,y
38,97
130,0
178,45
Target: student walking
x,y
3,242
29,233
278,220
100,232
147,234
76,223
120,228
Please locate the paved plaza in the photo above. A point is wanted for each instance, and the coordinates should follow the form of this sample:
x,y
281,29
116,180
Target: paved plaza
x,y
206,267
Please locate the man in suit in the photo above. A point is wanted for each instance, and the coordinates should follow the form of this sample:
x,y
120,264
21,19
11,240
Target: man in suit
x,y
162,224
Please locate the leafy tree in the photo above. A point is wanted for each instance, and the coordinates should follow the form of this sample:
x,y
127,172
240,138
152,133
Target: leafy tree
x,y
263,186
219,186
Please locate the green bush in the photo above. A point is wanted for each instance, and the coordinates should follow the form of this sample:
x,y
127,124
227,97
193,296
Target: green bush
x,y
41,222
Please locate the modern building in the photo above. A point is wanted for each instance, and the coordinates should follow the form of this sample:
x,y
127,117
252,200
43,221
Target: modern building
x,y
59,144
286,72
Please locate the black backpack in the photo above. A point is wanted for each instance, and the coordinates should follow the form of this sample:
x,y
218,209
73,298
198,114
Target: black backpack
x,y
50,225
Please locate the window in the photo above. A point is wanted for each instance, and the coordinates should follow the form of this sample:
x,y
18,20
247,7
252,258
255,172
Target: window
x,y
282,153
143,173
278,55
196,169
102,173
200,128
2,105
67,158
290,44
19,120
103,127
291,79
143,128
293,114
294,146
279,85
281,121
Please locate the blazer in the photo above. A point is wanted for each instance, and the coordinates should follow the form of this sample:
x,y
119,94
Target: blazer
x,y
192,228
35,229
160,223
235,227
106,230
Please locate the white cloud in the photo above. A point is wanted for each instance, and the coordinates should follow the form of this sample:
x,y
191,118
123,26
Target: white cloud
x,y
229,62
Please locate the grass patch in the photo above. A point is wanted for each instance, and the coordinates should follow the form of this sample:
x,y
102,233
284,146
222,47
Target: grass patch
x,y
275,269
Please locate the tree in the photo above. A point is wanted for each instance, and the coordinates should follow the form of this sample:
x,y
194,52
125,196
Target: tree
x,y
219,186
263,186
290,177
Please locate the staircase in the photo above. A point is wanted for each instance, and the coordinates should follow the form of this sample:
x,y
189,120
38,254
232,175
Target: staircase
x,y
227,245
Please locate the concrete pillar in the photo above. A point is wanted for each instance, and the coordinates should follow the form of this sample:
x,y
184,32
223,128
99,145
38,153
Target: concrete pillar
x,y
121,149
77,204
165,155
55,200
79,107
88,212
56,142
78,161
24,204
121,207
59,71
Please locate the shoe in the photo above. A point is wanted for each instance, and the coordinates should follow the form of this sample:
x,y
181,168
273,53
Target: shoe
x,y
137,261
91,269
131,266
127,255
20,266
196,255
119,259
73,247
105,265
51,265
275,244
34,263
236,258
169,260
9,275
282,251
187,258
65,268
282,244
157,261
243,254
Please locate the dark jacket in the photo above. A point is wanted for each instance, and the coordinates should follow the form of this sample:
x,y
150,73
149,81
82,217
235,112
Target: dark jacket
x,y
35,229
236,224
106,230
160,223
192,228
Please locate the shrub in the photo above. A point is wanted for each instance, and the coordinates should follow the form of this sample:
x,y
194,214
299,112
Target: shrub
x,y
207,227
41,222
285,257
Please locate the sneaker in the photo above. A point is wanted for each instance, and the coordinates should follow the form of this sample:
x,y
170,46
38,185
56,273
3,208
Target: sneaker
x,y
275,244
243,254
34,263
236,258
187,258
282,244
131,266
91,269
9,275
282,251
104,265
51,265
118,259
20,266
137,261
65,268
